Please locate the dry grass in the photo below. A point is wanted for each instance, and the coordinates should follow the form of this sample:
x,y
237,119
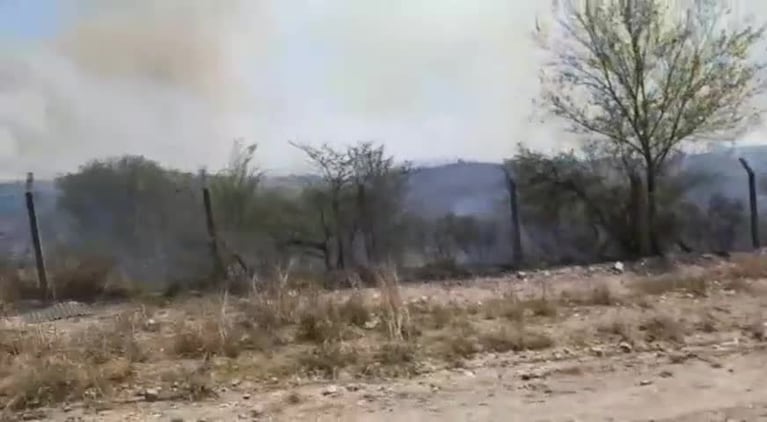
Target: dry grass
x,y
50,368
697,286
512,308
285,329
620,327
663,327
505,339
745,267
599,295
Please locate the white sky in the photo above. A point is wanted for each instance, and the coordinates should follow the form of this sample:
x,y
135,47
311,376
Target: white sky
x,y
178,80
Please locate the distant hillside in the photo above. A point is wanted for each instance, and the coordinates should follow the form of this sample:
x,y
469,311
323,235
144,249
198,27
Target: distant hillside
x,y
467,188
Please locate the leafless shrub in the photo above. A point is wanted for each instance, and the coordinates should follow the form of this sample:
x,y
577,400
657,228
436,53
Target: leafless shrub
x,y
516,339
696,285
663,327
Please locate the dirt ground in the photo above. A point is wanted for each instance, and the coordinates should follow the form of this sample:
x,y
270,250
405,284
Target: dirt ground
x,y
714,383
717,372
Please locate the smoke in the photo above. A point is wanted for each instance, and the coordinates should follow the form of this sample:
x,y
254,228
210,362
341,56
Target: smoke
x,y
178,80
161,79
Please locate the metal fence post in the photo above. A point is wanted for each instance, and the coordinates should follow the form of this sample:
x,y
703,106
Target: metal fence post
x,y
42,275
753,205
516,239
210,223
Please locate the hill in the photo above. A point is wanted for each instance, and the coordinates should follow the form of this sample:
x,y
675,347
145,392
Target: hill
x,y
463,188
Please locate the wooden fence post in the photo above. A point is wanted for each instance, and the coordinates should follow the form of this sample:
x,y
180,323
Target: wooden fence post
x,y
516,237
210,223
752,202
42,275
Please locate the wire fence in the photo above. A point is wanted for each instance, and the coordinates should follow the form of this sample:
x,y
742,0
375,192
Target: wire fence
x,y
165,233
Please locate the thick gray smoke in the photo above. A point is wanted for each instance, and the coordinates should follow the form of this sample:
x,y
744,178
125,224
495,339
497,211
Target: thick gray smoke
x,y
162,79
178,80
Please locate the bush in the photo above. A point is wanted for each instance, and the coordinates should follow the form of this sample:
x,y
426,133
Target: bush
x,y
87,279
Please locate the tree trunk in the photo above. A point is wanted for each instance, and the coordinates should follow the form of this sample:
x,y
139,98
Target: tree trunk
x,y
640,215
652,234
340,259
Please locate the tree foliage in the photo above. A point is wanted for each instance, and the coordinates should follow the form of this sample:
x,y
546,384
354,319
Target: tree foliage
x,y
133,208
641,80
359,203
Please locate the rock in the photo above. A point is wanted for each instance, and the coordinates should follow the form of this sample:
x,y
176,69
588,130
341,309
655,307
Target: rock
x,y
618,267
353,387
330,390
625,347
257,411
151,394
760,332
151,325
645,383
529,375
597,351
521,275
177,419
666,374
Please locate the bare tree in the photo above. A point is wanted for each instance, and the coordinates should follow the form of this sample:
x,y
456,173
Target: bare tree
x,y
336,171
644,80
360,200
379,187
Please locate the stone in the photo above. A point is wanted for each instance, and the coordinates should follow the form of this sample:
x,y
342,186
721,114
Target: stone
x,y
645,383
625,347
618,267
151,394
330,390
257,411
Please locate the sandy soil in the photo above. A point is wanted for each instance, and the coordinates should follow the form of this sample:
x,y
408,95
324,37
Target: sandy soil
x,y
713,383
715,374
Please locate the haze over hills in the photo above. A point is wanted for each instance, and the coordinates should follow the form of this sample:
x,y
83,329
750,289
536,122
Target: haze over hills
x,y
463,188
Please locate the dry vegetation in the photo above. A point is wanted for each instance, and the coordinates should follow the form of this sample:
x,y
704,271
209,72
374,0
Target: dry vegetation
x,y
279,333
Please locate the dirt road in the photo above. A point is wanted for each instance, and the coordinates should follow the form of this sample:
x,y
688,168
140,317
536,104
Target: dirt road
x,y
715,383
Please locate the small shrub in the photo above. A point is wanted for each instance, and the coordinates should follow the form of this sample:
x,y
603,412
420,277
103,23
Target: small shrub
x,y
85,280
542,307
396,353
695,285
209,338
506,339
508,307
435,316
441,270
395,313
100,345
458,343
661,327
355,311
601,295
45,382
619,327
707,323
320,322
327,359
190,384
746,267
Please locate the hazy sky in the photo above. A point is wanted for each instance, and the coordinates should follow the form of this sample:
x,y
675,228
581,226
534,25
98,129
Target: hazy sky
x,y
178,80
